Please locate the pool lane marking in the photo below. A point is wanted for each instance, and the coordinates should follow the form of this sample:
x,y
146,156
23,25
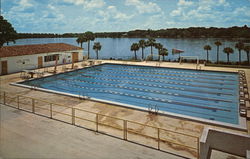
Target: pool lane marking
x,y
225,117
162,100
168,82
171,78
170,74
166,70
160,70
174,108
131,88
164,86
153,91
154,85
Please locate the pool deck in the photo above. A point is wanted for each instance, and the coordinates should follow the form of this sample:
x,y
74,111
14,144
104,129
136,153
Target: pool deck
x,y
26,135
12,126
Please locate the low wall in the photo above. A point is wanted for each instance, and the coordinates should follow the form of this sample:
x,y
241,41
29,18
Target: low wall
x,y
233,143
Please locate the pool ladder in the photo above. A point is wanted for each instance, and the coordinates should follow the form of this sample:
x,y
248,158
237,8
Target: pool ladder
x,y
243,93
153,109
82,95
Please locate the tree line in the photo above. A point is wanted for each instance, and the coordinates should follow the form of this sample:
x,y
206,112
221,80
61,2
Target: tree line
x,y
191,32
240,46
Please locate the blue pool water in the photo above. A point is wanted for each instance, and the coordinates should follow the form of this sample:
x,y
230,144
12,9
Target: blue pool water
x,y
204,94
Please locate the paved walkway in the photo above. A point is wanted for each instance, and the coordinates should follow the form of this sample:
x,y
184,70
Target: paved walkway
x,y
26,135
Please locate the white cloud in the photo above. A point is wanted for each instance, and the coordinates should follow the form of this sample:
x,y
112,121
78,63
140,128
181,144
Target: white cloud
x,y
50,6
111,12
88,4
184,3
176,12
242,11
143,7
203,10
117,14
76,2
112,15
224,3
213,3
94,4
25,3
157,21
53,13
22,5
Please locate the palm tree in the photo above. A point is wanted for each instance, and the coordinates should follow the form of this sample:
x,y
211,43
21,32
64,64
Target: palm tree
x,y
150,42
97,47
239,46
135,47
90,37
207,47
247,50
228,50
142,46
81,39
164,52
158,46
218,44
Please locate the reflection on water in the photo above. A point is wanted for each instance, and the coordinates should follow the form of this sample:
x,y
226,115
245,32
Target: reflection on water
x,y
120,47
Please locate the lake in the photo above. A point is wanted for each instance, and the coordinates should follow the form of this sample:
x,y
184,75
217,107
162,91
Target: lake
x,y
120,47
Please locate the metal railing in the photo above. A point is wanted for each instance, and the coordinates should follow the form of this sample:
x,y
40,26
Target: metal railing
x,y
162,139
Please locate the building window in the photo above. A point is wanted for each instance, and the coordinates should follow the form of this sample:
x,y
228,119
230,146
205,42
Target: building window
x,y
51,58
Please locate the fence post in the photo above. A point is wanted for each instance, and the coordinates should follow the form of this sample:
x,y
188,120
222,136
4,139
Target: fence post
x,y
33,105
18,106
96,122
51,111
73,116
198,148
158,132
125,130
4,98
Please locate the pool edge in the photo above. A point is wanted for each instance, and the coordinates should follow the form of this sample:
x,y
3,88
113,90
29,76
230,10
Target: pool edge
x,y
241,126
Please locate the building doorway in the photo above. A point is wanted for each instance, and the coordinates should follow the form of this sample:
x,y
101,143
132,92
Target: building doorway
x,y
75,57
40,61
4,65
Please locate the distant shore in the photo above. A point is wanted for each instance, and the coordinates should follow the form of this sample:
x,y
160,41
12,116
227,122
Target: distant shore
x,y
192,32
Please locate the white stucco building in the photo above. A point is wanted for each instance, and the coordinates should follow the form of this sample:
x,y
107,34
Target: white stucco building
x,y
17,58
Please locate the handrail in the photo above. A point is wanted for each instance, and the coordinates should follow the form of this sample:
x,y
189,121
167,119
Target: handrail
x,y
85,119
138,123
111,117
123,127
45,101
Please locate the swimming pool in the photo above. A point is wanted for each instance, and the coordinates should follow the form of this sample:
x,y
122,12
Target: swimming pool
x,y
208,95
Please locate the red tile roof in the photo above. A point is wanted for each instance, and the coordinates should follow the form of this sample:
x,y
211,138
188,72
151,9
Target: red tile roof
x,y
19,50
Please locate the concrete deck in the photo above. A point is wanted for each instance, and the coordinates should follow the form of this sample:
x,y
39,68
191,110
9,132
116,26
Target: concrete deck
x,y
175,124
26,135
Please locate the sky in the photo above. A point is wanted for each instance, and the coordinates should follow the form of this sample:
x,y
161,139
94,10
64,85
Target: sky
x,y
75,16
